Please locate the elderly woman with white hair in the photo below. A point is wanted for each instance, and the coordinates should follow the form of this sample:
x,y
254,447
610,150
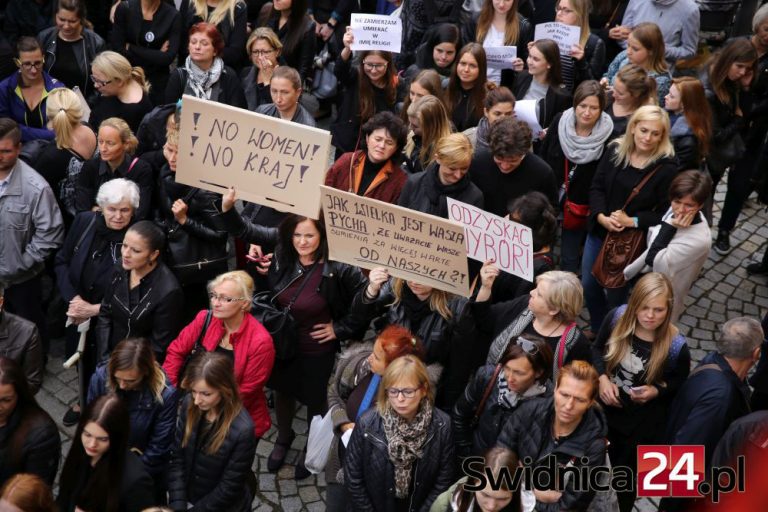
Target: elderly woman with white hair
x,y
550,311
85,263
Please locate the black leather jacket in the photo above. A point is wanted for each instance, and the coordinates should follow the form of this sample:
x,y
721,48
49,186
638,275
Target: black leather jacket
x,y
157,316
217,482
339,285
370,475
92,45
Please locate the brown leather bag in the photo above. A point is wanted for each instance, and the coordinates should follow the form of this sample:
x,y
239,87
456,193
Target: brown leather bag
x,y
620,248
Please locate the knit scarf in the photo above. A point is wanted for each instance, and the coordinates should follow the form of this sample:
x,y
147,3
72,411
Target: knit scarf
x,y
437,192
201,81
406,443
578,149
509,399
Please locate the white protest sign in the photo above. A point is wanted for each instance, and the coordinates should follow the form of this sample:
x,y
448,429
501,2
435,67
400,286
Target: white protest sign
x,y
564,35
490,237
411,245
527,110
269,161
376,32
500,57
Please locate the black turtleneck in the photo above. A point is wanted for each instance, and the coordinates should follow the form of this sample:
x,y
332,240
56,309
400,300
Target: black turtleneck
x,y
370,170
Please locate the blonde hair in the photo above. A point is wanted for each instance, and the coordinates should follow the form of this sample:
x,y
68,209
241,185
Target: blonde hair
x,y
565,294
264,34
117,67
136,354
172,137
64,111
583,371
435,124
403,367
625,144
225,8
126,135
454,150
649,287
242,280
581,8
438,299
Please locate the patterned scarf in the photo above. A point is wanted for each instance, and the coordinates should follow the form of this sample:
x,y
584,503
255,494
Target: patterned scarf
x,y
201,81
508,399
406,443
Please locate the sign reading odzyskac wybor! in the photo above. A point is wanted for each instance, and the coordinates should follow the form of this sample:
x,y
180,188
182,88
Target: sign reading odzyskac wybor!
x,y
376,32
269,161
564,35
411,245
490,237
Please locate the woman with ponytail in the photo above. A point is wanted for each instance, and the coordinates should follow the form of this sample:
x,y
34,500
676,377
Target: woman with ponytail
x,y
123,90
60,163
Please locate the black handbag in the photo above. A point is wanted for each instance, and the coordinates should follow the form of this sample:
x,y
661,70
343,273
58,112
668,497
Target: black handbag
x,y
197,349
279,322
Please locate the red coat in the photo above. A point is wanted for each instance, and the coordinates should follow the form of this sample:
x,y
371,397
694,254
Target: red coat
x,y
385,187
254,357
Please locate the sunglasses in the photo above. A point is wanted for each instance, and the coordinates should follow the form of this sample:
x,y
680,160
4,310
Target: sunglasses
x,y
528,346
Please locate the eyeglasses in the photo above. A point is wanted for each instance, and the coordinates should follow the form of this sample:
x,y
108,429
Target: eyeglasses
x,y
223,298
528,346
564,10
29,65
262,52
373,66
406,392
100,83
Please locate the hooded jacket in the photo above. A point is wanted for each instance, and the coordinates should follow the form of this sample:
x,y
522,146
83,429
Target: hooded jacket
x,y
530,432
13,105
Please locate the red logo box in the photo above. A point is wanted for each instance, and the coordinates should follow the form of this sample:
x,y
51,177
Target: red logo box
x,y
670,470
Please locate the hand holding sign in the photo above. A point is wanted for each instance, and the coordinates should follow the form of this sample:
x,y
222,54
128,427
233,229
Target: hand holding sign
x,y
501,57
564,35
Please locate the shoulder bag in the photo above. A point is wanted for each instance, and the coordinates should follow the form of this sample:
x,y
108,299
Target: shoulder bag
x,y
620,248
486,394
197,349
280,322
574,215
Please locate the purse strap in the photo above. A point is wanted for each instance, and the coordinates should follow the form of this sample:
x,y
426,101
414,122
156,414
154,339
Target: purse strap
x,y
561,345
199,341
639,187
487,393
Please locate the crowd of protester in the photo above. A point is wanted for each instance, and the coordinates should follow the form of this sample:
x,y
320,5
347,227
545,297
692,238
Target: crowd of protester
x,y
175,369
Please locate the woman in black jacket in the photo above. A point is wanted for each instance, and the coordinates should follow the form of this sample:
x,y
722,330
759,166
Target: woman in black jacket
x,y
543,82
690,121
144,298
148,33
100,472
123,90
29,439
523,372
572,147
447,177
400,455
321,292
569,427
84,267
437,52
438,318
230,17
587,58
197,251
467,87
296,31
369,88
264,49
205,74
645,148
70,46
215,445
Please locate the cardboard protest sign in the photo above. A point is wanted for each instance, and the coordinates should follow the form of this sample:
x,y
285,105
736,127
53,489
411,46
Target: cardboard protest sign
x,y
269,161
527,110
564,35
500,57
490,237
376,32
410,244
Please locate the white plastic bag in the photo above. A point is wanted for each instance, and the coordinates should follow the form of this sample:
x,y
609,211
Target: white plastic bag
x,y
319,442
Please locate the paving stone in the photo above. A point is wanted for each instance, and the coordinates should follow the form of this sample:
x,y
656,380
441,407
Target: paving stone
x,y
287,487
317,506
272,497
292,504
267,482
309,494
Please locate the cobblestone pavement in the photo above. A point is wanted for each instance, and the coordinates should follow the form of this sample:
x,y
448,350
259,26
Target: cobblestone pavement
x,y
723,291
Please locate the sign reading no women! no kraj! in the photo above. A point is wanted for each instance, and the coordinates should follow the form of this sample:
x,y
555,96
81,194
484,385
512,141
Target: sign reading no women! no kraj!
x,y
490,237
411,245
376,32
269,161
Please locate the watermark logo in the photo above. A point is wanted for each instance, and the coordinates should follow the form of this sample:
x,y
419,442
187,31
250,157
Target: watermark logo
x,y
678,471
